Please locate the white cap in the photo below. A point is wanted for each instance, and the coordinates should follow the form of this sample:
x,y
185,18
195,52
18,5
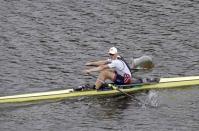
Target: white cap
x,y
112,50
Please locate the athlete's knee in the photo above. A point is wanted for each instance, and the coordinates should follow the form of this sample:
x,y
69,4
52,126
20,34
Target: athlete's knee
x,y
107,74
104,72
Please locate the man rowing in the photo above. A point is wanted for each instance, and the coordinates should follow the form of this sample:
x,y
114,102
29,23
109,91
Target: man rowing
x,y
114,69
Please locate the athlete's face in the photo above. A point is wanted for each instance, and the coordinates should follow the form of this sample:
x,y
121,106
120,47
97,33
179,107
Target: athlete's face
x,y
113,56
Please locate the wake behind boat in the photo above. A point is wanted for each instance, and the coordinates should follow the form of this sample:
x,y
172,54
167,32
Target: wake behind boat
x,y
164,83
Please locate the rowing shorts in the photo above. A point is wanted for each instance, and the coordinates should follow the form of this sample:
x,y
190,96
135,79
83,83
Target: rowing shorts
x,y
120,80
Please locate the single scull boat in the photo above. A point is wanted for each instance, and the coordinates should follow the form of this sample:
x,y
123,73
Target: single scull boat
x,y
68,93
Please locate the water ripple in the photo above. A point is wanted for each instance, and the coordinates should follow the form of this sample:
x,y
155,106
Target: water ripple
x,y
45,44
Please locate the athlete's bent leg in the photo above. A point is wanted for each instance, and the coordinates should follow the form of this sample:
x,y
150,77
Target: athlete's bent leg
x,y
104,75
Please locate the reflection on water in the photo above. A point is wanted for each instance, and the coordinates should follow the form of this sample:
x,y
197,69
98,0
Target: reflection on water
x,y
106,108
45,44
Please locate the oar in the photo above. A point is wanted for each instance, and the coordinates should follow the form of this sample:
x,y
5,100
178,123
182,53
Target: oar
x,y
139,69
116,88
133,69
126,94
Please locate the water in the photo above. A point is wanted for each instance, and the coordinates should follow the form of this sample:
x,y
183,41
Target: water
x,y
45,44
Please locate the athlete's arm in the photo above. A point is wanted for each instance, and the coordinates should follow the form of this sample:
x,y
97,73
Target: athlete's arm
x,y
96,63
95,69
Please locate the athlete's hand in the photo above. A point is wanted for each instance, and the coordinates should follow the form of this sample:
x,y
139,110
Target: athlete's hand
x,y
88,64
86,72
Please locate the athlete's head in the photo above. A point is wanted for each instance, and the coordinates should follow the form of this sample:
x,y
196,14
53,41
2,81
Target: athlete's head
x,y
112,51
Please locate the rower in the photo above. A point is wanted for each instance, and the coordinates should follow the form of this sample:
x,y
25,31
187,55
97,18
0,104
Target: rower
x,y
114,69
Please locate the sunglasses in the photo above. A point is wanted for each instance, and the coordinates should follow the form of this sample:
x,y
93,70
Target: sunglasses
x,y
111,54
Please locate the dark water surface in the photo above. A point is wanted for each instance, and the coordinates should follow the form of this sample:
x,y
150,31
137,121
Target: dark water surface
x,y
44,45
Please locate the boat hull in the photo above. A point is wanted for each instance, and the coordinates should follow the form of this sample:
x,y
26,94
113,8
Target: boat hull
x,y
69,93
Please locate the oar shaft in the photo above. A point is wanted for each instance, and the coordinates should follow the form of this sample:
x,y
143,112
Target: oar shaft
x,y
112,86
124,93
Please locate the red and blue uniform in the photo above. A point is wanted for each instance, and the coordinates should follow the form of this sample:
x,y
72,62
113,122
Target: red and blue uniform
x,y
122,72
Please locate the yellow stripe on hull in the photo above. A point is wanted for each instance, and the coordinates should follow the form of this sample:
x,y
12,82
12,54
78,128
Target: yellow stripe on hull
x,y
63,94
179,79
